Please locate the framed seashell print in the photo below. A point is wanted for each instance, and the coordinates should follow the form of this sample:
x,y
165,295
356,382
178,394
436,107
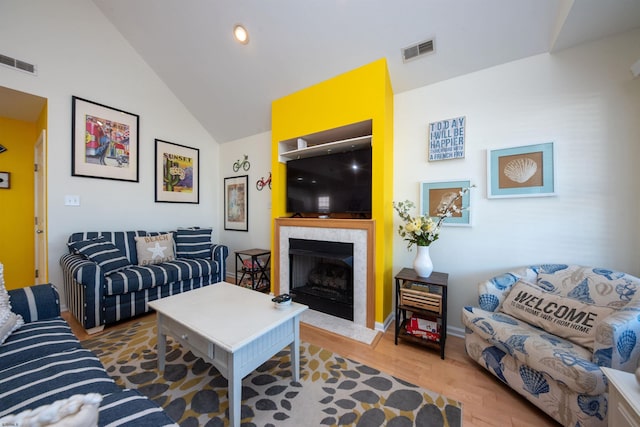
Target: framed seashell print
x,y
525,171
436,196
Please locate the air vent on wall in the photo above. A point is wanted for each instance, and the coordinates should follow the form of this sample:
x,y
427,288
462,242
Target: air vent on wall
x,y
417,50
18,65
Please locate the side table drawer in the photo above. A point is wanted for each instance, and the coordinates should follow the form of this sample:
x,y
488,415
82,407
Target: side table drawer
x,y
421,299
188,338
620,413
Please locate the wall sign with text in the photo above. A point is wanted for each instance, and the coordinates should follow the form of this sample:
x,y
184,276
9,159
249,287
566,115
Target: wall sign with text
x,y
446,139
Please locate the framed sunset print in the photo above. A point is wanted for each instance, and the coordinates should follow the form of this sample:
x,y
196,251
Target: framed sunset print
x,y
177,173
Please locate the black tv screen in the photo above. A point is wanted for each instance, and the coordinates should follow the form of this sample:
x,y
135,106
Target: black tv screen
x,y
334,183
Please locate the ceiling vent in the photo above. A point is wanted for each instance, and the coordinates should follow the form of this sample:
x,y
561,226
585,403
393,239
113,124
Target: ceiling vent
x,y
18,65
417,50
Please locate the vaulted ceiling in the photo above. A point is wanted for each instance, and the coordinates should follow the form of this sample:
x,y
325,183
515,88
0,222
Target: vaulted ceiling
x,y
294,44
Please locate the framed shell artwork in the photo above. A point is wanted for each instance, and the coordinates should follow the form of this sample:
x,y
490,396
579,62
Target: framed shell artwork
x,y
525,171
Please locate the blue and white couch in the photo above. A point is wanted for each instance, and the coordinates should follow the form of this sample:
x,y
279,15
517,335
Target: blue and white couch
x,y
111,276
42,365
545,331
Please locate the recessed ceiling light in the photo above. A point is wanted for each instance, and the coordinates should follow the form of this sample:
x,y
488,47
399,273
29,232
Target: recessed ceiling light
x,y
241,34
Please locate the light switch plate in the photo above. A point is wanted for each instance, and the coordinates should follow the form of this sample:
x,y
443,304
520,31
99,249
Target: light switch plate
x,y
71,200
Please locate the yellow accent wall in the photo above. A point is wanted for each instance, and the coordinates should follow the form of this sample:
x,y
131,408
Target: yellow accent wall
x,y
16,203
361,94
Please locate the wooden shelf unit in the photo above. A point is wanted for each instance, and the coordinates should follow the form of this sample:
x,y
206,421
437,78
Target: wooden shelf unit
x,y
258,271
425,297
338,140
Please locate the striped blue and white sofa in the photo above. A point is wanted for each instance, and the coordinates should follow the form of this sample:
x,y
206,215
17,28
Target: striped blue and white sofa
x,y
42,362
545,331
103,291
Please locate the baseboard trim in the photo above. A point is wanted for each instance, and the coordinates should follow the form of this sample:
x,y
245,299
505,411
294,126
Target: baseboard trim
x,y
456,332
382,327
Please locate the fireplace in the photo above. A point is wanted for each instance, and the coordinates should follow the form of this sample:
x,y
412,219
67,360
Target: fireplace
x,y
321,275
359,233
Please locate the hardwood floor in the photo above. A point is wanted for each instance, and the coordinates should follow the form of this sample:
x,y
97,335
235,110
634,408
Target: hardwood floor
x,y
486,401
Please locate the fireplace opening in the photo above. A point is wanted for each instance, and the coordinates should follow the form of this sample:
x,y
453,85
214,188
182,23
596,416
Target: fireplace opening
x,y
321,276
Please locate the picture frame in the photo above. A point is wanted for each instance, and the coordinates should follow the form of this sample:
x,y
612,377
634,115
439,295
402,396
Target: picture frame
x,y
177,173
104,141
523,171
236,203
434,194
5,180
447,139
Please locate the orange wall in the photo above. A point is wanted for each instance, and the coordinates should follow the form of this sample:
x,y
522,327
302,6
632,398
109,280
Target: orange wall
x,y
16,203
361,94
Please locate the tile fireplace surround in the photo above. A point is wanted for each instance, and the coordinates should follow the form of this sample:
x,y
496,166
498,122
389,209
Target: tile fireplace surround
x,y
358,232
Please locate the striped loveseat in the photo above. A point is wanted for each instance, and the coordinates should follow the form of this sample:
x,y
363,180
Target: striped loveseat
x,y
109,276
42,363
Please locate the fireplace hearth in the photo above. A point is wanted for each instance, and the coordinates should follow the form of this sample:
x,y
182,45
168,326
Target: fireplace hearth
x,y
321,276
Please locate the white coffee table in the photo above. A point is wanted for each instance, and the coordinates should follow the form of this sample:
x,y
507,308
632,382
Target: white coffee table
x,y
234,328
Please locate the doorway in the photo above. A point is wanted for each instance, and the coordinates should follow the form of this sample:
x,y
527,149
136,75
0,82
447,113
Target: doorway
x,y
23,118
40,209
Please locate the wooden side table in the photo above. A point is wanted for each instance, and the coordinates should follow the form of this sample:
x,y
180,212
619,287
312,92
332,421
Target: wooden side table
x,y
624,398
254,264
425,297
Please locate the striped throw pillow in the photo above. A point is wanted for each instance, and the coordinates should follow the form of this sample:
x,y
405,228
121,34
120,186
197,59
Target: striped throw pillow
x,y
193,243
102,252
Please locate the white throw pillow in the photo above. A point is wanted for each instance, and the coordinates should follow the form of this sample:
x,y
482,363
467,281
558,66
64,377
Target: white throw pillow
x,y
76,411
154,249
9,321
558,315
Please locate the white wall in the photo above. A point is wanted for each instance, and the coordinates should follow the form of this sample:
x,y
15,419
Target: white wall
x,y
258,148
582,99
78,52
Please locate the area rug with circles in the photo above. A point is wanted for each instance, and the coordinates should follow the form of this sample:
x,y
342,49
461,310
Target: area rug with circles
x,y
332,391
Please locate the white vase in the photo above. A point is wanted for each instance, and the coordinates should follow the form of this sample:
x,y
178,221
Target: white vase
x,y
422,265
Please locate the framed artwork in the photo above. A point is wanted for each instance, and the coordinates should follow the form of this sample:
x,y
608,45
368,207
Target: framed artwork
x,y
104,141
177,173
525,171
4,180
434,196
446,139
236,203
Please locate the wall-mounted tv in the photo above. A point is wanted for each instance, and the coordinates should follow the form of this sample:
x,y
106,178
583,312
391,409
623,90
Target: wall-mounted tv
x,y
331,184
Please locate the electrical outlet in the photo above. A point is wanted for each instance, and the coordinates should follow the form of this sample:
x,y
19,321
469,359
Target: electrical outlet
x,y
71,200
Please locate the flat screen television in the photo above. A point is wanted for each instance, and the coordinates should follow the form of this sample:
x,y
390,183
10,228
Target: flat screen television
x,y
337,183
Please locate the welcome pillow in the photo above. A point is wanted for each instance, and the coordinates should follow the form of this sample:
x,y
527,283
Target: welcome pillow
x,y
558,315
154,249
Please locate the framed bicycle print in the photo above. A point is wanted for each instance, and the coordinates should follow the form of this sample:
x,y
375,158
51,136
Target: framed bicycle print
x,y
525,171
104,141
177,173
236,203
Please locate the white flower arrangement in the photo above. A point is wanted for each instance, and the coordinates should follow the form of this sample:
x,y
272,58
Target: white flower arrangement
x,y
424,230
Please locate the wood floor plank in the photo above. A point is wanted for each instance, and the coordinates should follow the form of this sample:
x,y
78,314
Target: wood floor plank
x,y
486,401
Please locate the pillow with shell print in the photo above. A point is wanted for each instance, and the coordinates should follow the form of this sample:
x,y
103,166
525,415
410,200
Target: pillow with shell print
x,y
154,249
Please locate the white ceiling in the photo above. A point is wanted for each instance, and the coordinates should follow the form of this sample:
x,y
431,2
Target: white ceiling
x,y
294,44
